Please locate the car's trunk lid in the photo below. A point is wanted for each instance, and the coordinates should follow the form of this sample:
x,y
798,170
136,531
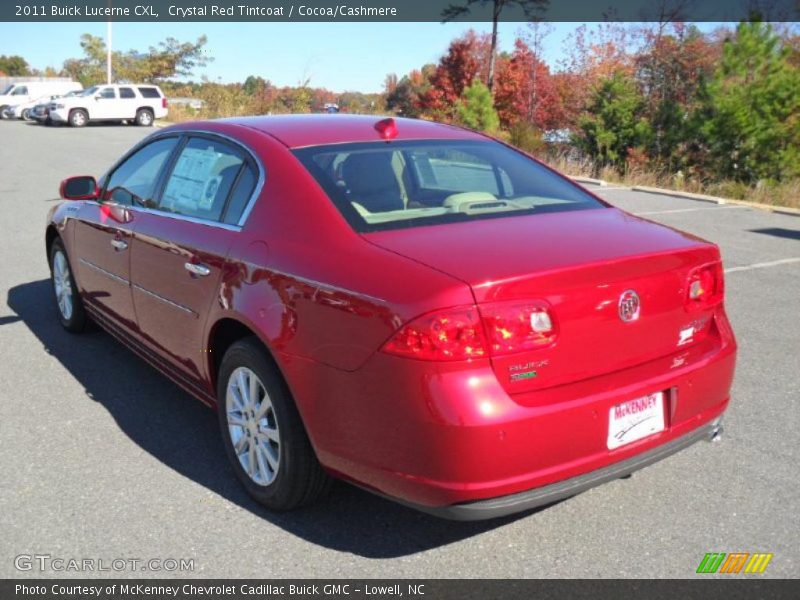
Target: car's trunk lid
x,y
581,263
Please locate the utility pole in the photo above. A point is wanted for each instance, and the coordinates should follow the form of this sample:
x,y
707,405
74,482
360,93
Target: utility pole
x,y
108,49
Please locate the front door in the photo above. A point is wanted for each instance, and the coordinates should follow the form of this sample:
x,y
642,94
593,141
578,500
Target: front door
x,y
104,229
106,105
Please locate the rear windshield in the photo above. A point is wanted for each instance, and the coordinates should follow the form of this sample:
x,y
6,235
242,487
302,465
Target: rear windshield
x,y
380,185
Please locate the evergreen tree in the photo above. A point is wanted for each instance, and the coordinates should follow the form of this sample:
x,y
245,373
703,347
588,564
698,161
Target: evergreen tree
x,y
476,110
751,123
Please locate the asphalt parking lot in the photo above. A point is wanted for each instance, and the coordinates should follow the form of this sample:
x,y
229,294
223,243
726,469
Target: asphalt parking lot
x,y
103,458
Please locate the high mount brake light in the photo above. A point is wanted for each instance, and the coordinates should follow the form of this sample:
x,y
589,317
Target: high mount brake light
x,y
387,129
475,332
705,287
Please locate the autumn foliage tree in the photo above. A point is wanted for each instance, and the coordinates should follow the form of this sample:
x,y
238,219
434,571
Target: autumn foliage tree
x,y
524,90
465,60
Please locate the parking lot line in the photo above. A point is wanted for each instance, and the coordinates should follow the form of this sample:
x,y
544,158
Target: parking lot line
x,y
763,265
684,210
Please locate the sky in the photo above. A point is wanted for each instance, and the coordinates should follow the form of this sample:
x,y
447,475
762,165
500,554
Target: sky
x,y
339,57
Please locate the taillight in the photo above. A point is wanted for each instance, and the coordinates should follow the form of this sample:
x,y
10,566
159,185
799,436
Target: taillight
x,y
454,334
164,102
705,287
475,332
517,326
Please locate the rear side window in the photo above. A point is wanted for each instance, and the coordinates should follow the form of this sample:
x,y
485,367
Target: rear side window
x,y
149,92
242,192
126,93
134,181
378,186
202,179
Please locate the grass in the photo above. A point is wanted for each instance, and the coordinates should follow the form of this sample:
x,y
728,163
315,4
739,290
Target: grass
x,y
786,193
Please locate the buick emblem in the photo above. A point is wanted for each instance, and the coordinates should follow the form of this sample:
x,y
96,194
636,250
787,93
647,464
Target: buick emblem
x,y
629,306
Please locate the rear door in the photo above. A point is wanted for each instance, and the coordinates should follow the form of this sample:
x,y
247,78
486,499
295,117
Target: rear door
x,y
179,250
103,231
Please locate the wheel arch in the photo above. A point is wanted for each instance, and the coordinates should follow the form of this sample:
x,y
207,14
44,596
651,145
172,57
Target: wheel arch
x,y
50,235
225,332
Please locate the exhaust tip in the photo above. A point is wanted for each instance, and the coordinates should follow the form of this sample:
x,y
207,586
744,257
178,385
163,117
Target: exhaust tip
x,y
716,432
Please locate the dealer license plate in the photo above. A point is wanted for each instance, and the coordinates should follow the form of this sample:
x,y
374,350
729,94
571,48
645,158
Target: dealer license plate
x,y
635,419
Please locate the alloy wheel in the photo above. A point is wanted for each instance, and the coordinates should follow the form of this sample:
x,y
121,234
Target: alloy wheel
x,y
62,285
252,426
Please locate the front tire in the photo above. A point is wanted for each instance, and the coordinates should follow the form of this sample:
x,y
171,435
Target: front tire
x,y
68,302
78,117
144,117
262,431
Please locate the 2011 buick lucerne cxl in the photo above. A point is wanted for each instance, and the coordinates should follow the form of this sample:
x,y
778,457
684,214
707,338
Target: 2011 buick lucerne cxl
x,y
412,307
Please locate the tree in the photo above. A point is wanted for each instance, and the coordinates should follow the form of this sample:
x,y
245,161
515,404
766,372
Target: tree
x,y
404,96
253,85
529,7
169,59
672,66
751,122
524,91
613,125
14,66
475,109
454,73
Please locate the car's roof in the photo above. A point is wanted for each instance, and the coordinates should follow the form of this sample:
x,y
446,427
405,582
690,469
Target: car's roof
x,y
297,131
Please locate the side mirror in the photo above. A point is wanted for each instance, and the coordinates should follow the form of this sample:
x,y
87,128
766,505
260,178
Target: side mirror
x,y
82,187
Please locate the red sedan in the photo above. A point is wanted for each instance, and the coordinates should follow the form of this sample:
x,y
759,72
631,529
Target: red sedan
x,y
412,307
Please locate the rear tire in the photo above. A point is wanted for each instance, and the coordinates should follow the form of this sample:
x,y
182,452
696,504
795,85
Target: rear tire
x,y
78,117
69,305
26,115
144,117
262,431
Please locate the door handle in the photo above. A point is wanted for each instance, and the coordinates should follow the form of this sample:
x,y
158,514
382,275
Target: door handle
x,y
119,244
196,269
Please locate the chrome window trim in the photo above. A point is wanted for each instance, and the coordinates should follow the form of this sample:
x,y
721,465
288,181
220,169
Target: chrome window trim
x,y
180,217
177,133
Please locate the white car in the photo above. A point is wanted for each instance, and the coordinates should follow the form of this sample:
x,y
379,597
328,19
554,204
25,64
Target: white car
x,y
23,92
140,103
23,111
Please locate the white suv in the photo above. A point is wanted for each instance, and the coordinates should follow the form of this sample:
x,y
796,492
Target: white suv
x,y
141,104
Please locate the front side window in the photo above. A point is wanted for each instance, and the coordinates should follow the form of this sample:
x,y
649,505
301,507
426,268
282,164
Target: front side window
x,y
134,181
202,178
20,91
126,93
379,185
89,91
107,93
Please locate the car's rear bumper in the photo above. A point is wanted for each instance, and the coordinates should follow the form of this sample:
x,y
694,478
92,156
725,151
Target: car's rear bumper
x,y
542,496
447,436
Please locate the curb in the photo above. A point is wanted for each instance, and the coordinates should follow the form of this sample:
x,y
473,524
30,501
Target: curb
x,y
784,210
581,179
